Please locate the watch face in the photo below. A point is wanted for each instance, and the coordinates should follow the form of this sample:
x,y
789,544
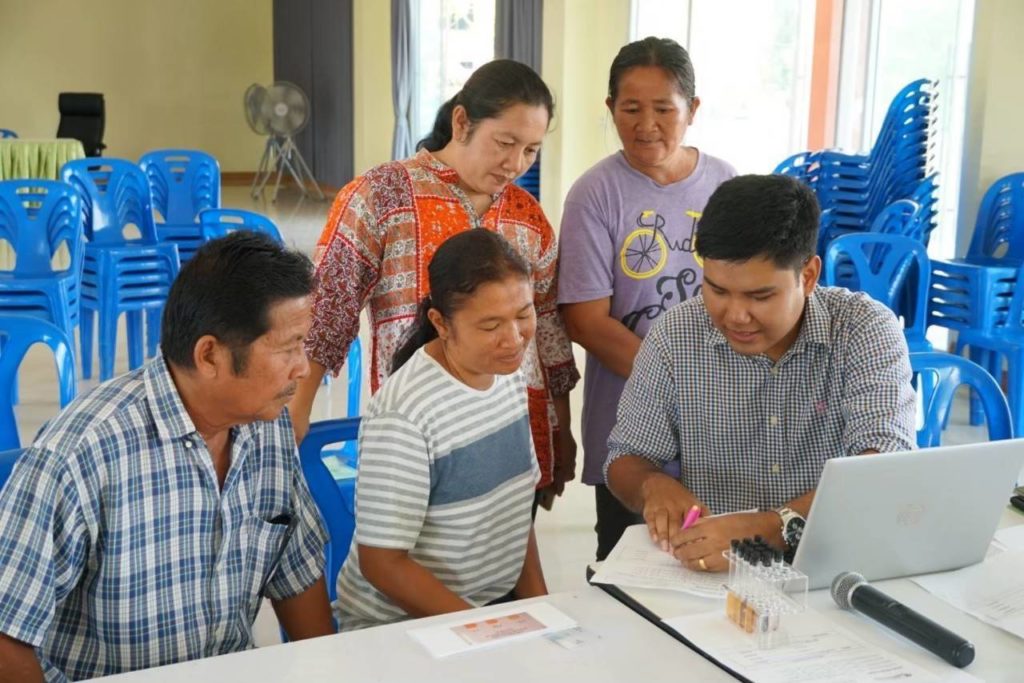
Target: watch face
x,y
794,530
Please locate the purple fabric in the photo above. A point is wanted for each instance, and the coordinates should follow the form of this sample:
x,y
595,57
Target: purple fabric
x,y
626,237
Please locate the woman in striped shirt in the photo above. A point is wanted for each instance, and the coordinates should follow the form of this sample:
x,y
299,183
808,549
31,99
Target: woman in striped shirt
x,y
446,467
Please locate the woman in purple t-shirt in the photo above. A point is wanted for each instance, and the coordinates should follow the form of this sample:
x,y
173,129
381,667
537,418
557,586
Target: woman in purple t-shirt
x,y
626,252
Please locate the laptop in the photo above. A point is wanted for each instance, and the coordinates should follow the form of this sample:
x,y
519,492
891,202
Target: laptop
x,y
899,514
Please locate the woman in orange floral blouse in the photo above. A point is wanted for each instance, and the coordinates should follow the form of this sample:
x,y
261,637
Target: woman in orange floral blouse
x,y
385,226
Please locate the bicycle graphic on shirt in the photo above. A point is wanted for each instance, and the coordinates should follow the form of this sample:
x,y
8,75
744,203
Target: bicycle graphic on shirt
x,y
645,251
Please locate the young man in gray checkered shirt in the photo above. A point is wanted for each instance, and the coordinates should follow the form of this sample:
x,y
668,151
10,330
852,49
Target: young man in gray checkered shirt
x,y
756,383
148,520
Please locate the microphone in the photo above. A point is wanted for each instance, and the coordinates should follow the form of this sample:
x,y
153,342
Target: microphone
x,y
851,591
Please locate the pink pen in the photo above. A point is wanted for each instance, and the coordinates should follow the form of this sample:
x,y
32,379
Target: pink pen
x,y
691,517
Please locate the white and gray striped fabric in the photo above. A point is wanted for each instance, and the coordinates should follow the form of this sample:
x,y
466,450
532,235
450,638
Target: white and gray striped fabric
x,y
447,473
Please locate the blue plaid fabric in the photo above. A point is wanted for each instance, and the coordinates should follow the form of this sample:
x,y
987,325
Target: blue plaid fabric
x,y
750,433
120,551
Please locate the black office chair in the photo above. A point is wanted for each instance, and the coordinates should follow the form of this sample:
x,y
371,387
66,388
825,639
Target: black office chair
x,y
82,117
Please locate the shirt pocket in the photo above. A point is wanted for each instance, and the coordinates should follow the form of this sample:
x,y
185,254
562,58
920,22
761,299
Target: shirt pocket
x,y
262,550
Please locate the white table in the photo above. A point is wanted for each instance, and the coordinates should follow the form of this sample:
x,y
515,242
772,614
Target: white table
x,y
999,655
627,648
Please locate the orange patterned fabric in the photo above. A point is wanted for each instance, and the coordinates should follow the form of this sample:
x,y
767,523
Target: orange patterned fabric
x,y
382,231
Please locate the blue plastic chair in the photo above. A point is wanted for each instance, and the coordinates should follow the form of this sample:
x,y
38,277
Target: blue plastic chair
x,y
336,500
121,274
7,461
37,218
989,346
7,133
20,333
217,223
949,372
184,182
999,229
884,266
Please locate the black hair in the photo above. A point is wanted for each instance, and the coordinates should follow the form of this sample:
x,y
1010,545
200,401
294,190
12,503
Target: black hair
x,y
459,267
490,90
661,52
227,290
771,216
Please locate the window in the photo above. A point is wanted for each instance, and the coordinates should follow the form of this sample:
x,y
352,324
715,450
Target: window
x,y
752,76
453,38
889,43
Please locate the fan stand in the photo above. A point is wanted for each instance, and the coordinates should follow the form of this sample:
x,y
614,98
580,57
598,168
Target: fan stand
x,y
281,152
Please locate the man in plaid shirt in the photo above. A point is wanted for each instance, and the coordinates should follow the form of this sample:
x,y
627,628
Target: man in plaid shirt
x,y
146,522
756,383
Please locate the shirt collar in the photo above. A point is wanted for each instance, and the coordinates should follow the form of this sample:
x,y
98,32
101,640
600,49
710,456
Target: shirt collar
x,y
172,420
815,328
444,172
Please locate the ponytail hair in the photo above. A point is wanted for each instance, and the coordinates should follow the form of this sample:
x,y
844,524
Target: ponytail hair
x,y
488,92
460,266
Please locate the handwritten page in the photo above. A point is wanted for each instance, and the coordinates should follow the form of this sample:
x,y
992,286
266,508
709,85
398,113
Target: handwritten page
x,y
816,649
636,562
462,634
991,590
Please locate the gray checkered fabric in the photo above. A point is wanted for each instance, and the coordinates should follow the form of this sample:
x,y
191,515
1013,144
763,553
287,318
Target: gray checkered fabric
x,y
750,433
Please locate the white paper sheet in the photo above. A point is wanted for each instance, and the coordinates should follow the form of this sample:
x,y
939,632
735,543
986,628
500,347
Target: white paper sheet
x,y
992,591
636,562
518,622
1010,538
817,650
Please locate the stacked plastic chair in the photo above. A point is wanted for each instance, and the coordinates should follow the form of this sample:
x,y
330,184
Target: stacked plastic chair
x,y
121,274
976,296
216,223
885,267
853,189
38,218
19,333
184,182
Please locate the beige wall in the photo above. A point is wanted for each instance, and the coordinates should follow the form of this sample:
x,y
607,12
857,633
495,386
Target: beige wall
x,y
577,55
172,73
994,143
374,115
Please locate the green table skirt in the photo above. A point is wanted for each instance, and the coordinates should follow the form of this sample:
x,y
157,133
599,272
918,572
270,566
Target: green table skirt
x,y
20,158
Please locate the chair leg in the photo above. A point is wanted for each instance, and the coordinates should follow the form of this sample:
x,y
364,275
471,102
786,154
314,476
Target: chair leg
x,y
977,411
14,378
133,329
108,342
153,330
1015,391
85,326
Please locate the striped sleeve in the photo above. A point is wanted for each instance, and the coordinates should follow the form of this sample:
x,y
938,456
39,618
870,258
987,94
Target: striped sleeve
x,y
393,486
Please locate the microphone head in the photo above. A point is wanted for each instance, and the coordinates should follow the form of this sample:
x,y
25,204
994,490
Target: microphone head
x,y
843,585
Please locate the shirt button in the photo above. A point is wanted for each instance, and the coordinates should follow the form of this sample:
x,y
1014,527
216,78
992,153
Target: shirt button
x,y
776,469
775,371
188,443
773,420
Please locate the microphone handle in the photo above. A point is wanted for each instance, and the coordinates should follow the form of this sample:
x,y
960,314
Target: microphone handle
x,y
910,624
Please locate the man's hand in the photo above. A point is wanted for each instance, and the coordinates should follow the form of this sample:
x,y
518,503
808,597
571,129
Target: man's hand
x,y
666,503
708,537
564,460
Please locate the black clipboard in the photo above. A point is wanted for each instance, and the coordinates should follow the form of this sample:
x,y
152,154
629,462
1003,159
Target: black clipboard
x,y
630,602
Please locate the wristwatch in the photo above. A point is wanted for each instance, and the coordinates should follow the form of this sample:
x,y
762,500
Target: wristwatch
x,y
792,526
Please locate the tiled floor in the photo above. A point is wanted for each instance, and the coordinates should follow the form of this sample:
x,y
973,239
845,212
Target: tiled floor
x,y
565,534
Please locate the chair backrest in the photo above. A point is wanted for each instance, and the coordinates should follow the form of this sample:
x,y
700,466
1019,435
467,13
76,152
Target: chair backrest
x,y
36,218
19,333
114,194
183,182
951,371
999,229
883,265
339,517
899,218
7,460
219,222
7,133
83,117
